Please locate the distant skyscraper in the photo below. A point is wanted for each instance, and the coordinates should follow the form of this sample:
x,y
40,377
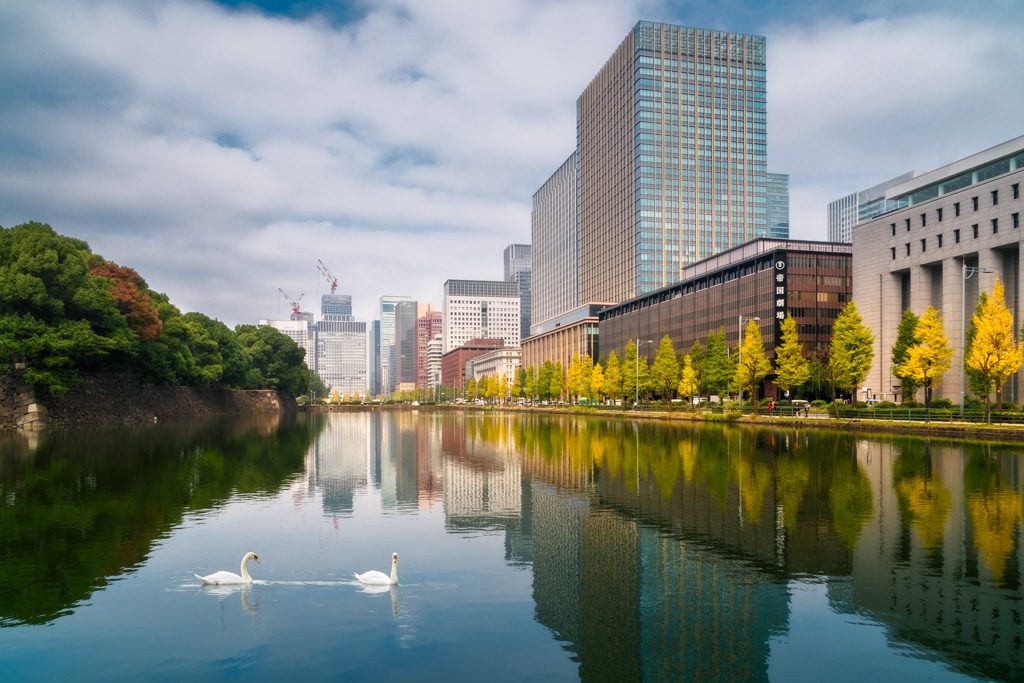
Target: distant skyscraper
x,y
480,309
341,346
405,346
778,206
519,268
671,136
374,358
517,259
848,211
555,287
387,339
428,326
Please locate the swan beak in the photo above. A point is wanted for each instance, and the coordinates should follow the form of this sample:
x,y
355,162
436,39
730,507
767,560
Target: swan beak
x,y
257,560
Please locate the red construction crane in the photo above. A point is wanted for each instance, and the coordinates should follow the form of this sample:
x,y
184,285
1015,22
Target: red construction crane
x,y
327,274
295,303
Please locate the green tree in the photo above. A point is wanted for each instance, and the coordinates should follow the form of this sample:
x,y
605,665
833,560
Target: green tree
x,y
698,356
557,381
930,357
792,370
905,338
629,373
719,369
518,383
595,389
574,383
586,376
471,389
613,376
753,365
851,352
530,384
55,316
277,361
689,385
544,380
665,372
995,354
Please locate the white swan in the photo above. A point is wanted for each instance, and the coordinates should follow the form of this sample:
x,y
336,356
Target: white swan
x,y
375,578
229,577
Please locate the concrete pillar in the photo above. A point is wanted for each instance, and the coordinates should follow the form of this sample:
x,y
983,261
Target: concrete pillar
x,y
952,323
891,311
920,289
989,260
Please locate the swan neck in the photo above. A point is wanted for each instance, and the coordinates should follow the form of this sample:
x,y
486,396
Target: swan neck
x,y
245,570
394,572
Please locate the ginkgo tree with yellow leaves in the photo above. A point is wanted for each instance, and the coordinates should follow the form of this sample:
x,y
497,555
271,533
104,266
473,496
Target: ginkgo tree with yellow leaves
x,y
928,359
995,354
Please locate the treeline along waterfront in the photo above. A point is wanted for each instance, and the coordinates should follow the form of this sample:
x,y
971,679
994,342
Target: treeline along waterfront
x,y
65,310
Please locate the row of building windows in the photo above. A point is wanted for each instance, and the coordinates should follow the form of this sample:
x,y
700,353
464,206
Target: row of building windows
x,y
975,229
1014,191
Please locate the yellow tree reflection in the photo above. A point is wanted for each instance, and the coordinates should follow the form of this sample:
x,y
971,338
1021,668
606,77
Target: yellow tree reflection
x,y
995,510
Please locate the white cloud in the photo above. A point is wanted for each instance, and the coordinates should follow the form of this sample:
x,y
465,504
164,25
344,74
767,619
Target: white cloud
x,y
852,105
404,149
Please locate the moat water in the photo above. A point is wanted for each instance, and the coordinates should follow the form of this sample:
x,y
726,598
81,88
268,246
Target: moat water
x,y
542,548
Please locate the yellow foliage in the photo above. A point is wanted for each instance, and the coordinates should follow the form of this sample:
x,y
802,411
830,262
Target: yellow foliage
x,y
995,353
995,517
931,356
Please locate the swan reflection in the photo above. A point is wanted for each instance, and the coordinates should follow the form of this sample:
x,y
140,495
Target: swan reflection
x,y
375,590
222,591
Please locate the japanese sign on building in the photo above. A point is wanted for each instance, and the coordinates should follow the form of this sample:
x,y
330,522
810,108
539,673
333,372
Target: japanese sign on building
x,y
780,277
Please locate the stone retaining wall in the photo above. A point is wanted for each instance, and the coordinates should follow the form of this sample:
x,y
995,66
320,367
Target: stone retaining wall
x,y
107,399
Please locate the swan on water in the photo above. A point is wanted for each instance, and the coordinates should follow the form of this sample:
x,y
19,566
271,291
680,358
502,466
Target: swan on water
x,y
229,577
376,578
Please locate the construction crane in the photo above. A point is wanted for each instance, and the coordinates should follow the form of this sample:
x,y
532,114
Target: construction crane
x,y
295,303
327,274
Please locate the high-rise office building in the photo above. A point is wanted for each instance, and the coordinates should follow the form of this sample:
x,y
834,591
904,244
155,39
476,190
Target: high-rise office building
x,y
480,309
373,361
519,269
428,326
405,346
555,288
671,137
856,207
517,259
341,346
387,340
778,206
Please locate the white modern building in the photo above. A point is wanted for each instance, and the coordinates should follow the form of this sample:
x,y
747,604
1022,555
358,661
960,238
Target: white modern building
x,y
341,347
480,309
954,231
435,349
497,363
854,208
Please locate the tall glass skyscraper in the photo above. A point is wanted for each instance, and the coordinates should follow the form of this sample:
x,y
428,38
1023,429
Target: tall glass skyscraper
x,y
387,340
671,137
778,206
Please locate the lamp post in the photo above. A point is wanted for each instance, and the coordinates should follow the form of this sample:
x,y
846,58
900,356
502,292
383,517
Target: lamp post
x,y
636,401
739,348
968,271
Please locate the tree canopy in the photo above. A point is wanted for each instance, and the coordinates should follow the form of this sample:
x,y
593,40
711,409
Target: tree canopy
x,y
64,310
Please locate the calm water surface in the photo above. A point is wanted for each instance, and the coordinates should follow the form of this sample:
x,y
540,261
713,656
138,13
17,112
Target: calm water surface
x,y
540,548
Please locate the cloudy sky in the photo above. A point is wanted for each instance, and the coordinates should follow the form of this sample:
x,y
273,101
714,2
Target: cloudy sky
x,y
222,148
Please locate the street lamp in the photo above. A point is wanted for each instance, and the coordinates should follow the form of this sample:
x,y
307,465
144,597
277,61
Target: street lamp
x,y
968,271
636,401
739,348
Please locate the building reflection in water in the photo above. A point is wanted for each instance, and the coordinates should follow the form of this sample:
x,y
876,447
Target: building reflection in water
x,y
668,550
